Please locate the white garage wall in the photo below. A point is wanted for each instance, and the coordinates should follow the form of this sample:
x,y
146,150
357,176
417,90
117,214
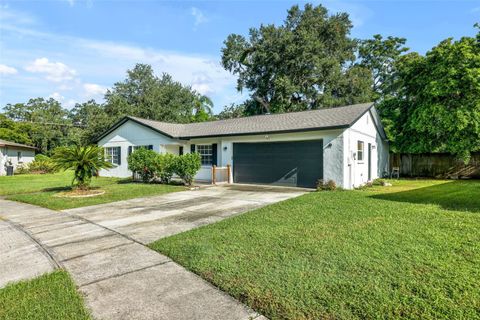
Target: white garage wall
x,y
356,171
332,155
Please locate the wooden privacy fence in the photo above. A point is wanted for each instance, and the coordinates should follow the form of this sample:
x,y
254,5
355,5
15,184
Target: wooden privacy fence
x,y
435,165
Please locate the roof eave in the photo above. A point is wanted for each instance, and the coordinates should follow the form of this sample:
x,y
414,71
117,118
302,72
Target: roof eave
x,y
267,132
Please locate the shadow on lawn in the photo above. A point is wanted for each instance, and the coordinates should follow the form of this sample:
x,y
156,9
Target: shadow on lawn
x,y
455,195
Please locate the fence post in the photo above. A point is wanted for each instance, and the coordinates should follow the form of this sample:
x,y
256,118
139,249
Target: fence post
x,y
214,174
228,173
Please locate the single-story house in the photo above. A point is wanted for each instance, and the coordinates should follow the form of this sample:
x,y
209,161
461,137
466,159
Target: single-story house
x,y
15,154
344,144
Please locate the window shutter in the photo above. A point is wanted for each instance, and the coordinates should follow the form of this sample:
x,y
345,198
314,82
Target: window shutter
x,y
150,147
130,150
192,148
180,150
214,154
119,150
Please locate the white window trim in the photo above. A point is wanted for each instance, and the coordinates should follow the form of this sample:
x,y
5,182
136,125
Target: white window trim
x,y
198,147
109,156
360,151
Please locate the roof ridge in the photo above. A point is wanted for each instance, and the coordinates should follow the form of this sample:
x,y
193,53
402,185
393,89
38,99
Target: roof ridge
x,y
257,115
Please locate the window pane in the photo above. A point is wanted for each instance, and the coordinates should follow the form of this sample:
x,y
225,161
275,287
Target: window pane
x,y
360,150
206,154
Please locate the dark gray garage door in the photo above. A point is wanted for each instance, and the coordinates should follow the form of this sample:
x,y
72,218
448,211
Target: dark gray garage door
x,y
298,163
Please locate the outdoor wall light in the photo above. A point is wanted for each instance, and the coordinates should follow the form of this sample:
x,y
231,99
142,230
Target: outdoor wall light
x,y
225,148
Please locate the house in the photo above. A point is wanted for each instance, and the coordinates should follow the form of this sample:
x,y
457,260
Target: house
x,y
344,144
15,154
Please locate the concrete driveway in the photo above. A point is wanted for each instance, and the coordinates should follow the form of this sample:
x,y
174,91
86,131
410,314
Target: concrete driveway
x,y
152,218
101,247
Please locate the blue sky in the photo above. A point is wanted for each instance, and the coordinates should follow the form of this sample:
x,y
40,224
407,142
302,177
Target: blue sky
x,y
74,50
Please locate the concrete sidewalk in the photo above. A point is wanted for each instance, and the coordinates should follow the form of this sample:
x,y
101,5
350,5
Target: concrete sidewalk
x,y
21,258
119,277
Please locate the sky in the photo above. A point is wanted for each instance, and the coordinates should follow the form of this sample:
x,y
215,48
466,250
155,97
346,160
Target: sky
x,y
74,50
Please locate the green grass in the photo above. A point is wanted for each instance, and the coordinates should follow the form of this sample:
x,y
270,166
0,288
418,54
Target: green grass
x,y
408,251
42,190
51,296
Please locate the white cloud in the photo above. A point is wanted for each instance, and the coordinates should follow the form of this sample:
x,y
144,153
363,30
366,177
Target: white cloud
x,y
71,2
6,70
101,62
93,90
199,16
53,71
13,17
57,96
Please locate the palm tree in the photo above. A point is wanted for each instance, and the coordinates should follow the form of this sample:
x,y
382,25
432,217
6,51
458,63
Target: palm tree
x,y
84,161
203,108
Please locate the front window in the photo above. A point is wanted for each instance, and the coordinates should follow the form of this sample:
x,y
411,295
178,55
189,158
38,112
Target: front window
x,y
19,156
360,150
206,152
112,155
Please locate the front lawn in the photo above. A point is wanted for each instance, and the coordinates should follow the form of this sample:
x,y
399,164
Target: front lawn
x,y
43,190
51,296
407,251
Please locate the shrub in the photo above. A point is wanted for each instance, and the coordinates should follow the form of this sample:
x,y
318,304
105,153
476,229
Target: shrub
x,y
379,182
187,166
41,164
330,185
143,162
21,169
165,166
84,161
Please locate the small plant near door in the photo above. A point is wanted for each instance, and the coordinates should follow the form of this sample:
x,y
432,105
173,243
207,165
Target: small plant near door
x,y
330,185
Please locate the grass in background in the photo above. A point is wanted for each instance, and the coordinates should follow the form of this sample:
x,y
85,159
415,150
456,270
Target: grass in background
x,y
407,251
51,296
42,190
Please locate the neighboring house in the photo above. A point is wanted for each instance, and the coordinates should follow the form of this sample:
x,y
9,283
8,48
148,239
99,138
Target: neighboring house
x,y
15,154
344,144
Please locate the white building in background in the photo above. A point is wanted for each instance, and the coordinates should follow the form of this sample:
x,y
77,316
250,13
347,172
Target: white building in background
x,y
15,154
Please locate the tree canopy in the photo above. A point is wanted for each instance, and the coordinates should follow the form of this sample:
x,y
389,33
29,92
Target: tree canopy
x,y
435,106
305,63
145,95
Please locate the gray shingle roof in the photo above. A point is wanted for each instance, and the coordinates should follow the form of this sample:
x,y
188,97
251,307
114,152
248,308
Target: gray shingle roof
x,y
14,144
339,117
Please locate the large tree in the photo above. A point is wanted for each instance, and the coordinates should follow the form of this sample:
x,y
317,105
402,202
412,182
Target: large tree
x,y
145,95
91,118
14,131
380,56
48,122
436,107
305,63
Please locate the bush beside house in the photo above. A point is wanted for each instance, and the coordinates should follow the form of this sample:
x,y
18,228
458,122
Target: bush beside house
x,y
151,165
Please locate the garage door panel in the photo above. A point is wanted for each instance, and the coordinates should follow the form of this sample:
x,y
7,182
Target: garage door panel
x,y
298,163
